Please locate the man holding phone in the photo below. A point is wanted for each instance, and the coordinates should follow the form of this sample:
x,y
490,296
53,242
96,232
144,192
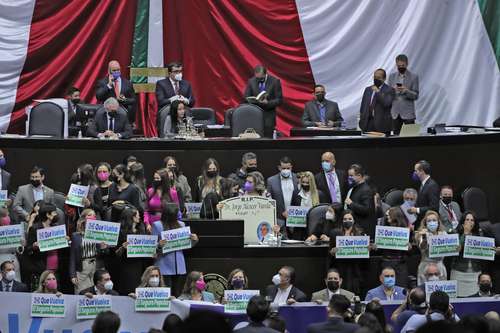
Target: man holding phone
x,y
405,83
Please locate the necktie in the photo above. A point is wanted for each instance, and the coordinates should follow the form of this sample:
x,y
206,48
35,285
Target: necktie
x,y
450,213
372,105
8,287
177,87
111,124
117,89
331,187
322,113
261,86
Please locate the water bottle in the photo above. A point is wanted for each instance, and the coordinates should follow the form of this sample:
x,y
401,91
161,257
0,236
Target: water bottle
x,y
80,134
275,135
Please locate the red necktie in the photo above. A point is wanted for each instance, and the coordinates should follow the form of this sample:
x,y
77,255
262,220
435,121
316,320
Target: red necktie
x,y
117,89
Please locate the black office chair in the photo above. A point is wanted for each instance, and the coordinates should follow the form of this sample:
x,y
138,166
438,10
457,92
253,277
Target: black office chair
x,y
475,200
161,117
393,197
203,116
247,116
316,216
46,118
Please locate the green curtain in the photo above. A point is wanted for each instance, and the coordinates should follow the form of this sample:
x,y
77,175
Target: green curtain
x,y
140,43
490,9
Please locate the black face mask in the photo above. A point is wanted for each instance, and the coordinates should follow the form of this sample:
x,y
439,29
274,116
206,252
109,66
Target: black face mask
x,y
36,182
55,219
75,100
211,174
261,80
446,200
402,70
156,184
378,82
320,97
332,285
251,169
112,114
173,169
485,287
113,178
305,187
347,224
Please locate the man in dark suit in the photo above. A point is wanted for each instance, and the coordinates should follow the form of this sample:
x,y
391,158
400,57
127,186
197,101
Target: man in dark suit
x,y
174,87
4,175
257,310
321,112
360,200
337,309
428,193
281,187
283,291
102,285
375,110
114,85
485,286
331,181
8,283
274,97
110,122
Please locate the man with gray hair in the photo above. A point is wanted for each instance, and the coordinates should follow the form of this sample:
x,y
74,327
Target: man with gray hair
x,y
248,164
410,198
110,122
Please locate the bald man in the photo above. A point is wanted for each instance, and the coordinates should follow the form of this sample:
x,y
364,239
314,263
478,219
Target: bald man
x,y
330,180
115,85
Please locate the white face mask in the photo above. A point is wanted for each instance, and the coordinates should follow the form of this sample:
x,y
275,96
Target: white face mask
x,y
329,216
178,77
285,173
433,278
10,275
108,285
154,282
276,279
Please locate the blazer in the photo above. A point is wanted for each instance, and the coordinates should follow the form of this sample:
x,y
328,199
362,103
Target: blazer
x,y
5,179
24,201
445,217
403,104
363,208
18,287
311,113
323,296
322,184
92,291
428,198
333,325
255,328
103,92
272,86
100,124
382,114
274,189
379,293
295,293
164,91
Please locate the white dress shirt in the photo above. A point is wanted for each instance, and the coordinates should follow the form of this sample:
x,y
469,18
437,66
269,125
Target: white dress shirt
x,y
287,190
38,193
282,296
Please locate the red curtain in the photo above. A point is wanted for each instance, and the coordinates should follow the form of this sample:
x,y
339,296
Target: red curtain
x,y
219,43
71,43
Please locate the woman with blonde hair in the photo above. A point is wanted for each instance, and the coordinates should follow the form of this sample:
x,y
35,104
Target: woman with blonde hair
x,y
48,283
151,278
308,195
431,225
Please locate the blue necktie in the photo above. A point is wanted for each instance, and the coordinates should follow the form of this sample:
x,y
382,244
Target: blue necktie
x,y
322,113
261,86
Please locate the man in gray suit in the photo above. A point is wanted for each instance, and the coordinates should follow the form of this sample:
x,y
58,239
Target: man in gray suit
x,y
321,112
405,83
449,210
333,283
28,194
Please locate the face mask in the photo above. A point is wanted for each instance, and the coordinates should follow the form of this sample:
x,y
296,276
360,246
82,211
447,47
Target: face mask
x,y
178,77
103,176
238,283
112,114
402,70
212,174
320,97
114,178
116,75
410,203
432,225
327,166
173,169
108,285
332,285
347,224
75,100
350,181
248,187
156,184
329,216
251,169
55,219
305,188
389,281
261,80
433,278
415,177
200,285
485,287
285,173
36,182
51,284
3,162
446,200
154,282
5,221
276,279
91,217
10,275
377,82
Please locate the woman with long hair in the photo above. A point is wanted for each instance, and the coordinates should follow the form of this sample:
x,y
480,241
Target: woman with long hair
x,y
254,185
101,194
179,180
179,111
194,288
209,181
48,283
122,190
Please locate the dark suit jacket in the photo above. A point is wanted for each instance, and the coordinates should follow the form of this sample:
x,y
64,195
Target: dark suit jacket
x,y
92,291
322,184
295,293
274,189
311,113
103,92
18,287
428,198
272,86
100,124
75,256
363,208
383,105
164,91
333,325
256,328
5,179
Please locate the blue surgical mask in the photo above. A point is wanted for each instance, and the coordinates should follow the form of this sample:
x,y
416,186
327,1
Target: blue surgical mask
x,y
410,203
389,282
285,173
350,181
432,225
415,177
116,75
327,166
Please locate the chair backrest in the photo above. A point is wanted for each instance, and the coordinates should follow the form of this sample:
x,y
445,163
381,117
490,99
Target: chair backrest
x,y
161,118
315,216
59,200
247,116
475,200
204,116
46,118
393,197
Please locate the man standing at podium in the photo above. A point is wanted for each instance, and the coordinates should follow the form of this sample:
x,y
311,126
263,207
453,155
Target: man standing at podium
x,y
273,96
321,112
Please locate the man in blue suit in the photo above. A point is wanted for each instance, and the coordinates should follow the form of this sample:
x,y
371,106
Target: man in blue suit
x,y
375,111
387,291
